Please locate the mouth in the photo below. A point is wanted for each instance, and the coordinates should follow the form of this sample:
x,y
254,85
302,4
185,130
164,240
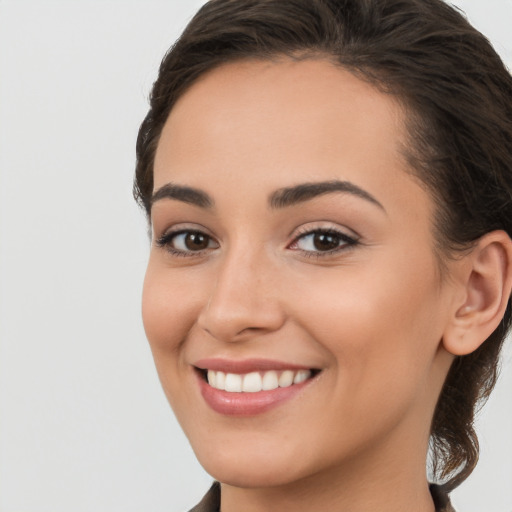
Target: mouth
x,y
250,387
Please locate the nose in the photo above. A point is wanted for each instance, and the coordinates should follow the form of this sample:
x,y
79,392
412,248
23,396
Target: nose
x,y
243,299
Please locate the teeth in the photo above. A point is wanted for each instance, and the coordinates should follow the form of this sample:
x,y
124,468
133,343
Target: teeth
x,y
286,379
256,381
212,378
233,382
252,383
301,376
220,380
270,381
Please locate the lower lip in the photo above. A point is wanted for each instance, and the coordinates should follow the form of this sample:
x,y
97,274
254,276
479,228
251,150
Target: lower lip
x,y
247,404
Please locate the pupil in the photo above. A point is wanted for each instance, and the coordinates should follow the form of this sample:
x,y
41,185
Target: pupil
x,y
196,241
325,242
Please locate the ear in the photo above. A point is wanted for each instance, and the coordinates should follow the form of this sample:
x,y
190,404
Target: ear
x,y
486,287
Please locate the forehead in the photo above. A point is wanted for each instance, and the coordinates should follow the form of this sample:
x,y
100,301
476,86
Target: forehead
x,y
266,104
269,124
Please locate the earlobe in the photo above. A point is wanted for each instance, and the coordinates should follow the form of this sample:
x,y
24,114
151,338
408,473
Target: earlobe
x,y
487,286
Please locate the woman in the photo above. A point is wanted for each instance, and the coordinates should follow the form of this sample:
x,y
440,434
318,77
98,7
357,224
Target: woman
x,y
329,189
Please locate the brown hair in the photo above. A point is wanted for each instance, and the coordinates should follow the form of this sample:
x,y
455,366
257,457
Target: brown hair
x,y
458,97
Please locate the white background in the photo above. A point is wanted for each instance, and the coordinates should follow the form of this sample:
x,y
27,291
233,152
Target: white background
x,y
84,425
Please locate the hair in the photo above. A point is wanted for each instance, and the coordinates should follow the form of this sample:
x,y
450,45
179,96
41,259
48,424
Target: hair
x,y
457,96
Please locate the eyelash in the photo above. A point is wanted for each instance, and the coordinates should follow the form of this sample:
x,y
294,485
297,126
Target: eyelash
x,y
165,242
346,242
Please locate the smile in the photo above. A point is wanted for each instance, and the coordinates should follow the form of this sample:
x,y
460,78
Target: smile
x,y
251,387
255,382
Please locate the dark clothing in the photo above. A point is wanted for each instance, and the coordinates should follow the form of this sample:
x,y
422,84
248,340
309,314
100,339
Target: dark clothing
x,y
211,501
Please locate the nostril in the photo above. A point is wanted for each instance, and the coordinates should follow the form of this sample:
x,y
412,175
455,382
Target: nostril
x,y
234,312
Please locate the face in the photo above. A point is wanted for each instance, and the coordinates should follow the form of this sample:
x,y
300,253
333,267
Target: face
x,y
292,299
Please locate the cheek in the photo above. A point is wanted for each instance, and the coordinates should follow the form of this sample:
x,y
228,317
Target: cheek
x,y
381,324
169,309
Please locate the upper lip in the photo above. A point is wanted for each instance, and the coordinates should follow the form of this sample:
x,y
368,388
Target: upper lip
x,y
246,365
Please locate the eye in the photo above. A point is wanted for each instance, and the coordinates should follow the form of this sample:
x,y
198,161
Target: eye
x,y
186,242
320,241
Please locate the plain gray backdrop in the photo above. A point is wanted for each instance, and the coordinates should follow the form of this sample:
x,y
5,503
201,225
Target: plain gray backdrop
x,y
84,425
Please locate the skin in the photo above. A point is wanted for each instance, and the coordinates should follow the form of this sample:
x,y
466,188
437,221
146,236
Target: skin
x,y
371,316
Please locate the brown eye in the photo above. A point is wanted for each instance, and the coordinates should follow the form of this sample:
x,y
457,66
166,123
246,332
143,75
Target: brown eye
x,y
186,243
325,241
196,241
321,241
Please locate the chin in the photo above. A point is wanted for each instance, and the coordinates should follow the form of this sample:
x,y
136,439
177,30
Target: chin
x,y
249,470
248,478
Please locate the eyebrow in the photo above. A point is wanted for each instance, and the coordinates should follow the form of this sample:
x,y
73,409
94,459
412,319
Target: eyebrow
x,y
281,198
181,193
290,196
